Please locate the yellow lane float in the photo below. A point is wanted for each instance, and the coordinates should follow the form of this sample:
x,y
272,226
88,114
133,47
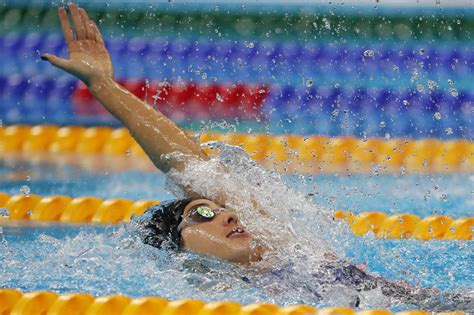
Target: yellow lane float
x,y
15,302
285,153
111,211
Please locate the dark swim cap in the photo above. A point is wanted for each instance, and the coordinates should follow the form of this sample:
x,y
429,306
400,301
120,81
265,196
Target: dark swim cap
x,y
160,222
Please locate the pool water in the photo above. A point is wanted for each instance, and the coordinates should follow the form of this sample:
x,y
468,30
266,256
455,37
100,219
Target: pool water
x,y
111,259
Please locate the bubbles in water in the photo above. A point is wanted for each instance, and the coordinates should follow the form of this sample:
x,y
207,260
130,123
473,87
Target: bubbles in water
x,y
204,75
25,190
422,51
369,53
420,87
450,82
250,45
382,124
406,103
437,115
309,83
454,92
28,178
448,131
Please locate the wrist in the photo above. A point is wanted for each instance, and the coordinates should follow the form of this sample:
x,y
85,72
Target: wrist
x,y
97,84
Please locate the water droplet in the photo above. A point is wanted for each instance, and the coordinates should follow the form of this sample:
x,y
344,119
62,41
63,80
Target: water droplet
x,y
335,112
382,124
458,22
327,25
422,51
250,45
406,103
25,190
420,87
4,212
450,82
369,53
432,85
128,152
448,131
454,92
309,83
204,75
437,115
444,197
219,98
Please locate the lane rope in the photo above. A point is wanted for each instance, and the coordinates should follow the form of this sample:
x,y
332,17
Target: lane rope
x,y
286,154
112,211
15,302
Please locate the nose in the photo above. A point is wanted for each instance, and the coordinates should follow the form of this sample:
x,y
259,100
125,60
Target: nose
x,y
229,217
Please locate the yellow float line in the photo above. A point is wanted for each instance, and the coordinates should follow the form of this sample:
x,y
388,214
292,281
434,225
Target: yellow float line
x,y
289,153
111,211
46,302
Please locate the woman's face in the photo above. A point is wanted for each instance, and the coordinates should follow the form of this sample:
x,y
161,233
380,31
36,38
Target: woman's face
x,y
222,236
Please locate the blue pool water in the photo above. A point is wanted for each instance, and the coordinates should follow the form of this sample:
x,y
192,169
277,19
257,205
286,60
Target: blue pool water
x,y
111,259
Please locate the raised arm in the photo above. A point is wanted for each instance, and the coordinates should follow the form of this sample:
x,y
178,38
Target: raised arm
x,y
90,61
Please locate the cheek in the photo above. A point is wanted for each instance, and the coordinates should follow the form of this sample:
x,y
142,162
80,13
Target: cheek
x,y
210,242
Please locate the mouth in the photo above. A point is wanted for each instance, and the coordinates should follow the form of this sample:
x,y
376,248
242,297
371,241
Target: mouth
x,y
237,232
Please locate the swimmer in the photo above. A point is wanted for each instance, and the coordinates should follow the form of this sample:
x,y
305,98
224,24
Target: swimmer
x,y
196,224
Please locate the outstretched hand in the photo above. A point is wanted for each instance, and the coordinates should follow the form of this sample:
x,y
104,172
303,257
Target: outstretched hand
x,y
88,60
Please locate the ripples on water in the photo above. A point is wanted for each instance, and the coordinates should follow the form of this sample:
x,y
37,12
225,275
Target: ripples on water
x,y
113,260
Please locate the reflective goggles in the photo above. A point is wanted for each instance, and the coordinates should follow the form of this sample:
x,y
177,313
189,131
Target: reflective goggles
x,y
199,214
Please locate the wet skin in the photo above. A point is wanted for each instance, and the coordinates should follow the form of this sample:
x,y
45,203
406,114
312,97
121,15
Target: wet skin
x,y
222,237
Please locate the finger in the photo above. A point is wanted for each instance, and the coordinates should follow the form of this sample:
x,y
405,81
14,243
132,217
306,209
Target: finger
x,y
56,61
78,24
98,35
87,24
65,25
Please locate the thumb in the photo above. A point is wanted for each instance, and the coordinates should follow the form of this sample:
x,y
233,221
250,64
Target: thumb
x,y
56,61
